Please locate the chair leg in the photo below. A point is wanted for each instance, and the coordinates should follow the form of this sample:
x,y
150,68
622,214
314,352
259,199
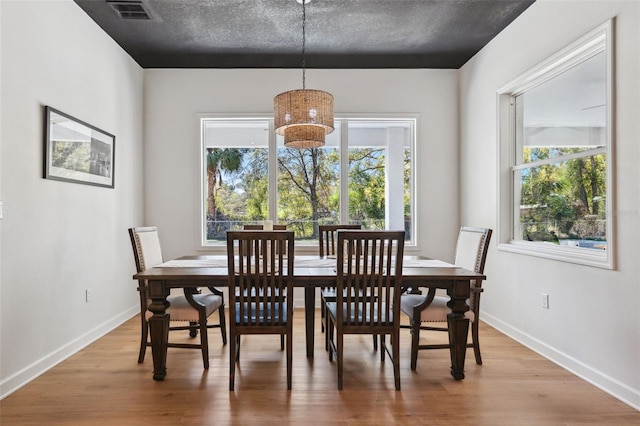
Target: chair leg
x,y
339,355
143,340
415,340
327,322
289,357
223,324
238,348
204,342
395,349
232,362
329,337
282,342
375,342
476,342
383,346
322,314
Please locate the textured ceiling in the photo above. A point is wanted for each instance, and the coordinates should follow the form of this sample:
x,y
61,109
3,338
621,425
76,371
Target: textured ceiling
x,y
339,33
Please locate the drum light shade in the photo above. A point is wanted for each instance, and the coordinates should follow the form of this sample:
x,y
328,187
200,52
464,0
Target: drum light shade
x,y
304,137
303,116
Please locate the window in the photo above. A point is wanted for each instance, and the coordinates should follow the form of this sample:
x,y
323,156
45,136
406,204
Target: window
x,y
362,175
555,155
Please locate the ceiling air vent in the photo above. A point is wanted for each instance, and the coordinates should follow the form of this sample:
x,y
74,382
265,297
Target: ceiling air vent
x,y
131,9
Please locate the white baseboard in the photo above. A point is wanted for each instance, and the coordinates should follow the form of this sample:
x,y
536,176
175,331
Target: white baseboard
x,y
29,373
613,387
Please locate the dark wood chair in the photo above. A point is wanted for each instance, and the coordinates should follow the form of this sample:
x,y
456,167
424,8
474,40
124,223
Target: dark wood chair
x,y
369,283
327,240
192,306
471,254
259,275
260,227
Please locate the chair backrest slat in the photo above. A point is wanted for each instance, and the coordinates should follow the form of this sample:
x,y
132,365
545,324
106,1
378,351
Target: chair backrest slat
x,y
327,238
260,265
260,227
369,268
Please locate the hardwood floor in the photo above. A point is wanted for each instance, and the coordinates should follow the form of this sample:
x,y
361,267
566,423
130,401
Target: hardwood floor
x,y
103,384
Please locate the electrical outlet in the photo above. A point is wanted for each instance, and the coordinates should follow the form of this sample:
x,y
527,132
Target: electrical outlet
x,y
87,295
545,300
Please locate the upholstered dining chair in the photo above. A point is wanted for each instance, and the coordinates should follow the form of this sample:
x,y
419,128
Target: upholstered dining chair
x,y
369,282
327,240
260,273
192,306
471,254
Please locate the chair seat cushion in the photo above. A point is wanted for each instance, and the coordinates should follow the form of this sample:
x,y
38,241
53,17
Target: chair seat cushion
x,y
257,314
436,312
180,309
365,309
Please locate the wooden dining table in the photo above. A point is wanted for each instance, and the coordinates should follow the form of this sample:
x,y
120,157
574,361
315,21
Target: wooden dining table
x,y
310,272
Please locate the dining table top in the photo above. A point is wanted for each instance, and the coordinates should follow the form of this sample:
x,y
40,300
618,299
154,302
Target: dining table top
x,y
314,268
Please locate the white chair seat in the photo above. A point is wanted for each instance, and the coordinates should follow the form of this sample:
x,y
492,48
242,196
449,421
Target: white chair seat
x,y
181,310
436,312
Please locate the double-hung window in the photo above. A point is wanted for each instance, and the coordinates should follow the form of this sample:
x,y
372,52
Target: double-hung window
x,y
555,144
363,175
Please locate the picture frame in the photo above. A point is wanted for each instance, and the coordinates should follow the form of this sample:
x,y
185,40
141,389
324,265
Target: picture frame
x,y
75,151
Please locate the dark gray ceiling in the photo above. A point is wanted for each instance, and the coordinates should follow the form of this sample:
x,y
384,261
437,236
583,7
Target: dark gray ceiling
x,y
339,33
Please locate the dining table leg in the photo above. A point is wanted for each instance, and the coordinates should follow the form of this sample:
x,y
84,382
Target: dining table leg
x,y
458,325
309,317
159,327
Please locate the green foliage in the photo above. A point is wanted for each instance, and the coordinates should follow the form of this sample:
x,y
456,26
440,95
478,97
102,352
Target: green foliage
x,y
366,184
308,184
564,199
219,160
308,188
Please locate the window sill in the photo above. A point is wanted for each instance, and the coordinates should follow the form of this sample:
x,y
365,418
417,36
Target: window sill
x,y
582,256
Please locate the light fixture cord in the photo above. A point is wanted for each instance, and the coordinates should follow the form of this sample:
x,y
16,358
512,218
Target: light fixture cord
x,y
304,64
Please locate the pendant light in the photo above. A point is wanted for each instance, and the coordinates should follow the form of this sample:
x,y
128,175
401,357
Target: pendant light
x,y
303,116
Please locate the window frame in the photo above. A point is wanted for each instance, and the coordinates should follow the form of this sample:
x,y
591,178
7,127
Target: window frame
x,y
344,169
598,40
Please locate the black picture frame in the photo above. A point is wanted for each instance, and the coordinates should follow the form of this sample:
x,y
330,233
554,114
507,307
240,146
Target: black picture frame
x,y
75,151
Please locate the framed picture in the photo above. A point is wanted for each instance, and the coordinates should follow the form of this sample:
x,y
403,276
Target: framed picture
x,y
75,151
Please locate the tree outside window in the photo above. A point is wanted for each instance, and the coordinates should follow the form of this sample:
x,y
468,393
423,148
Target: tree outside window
x,y
236,186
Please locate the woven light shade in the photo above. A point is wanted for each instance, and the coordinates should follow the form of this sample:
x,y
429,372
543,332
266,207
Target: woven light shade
x,y
303,107
303,116
304,136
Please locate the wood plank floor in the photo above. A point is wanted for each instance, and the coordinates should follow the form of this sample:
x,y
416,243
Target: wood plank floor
x,y
104,385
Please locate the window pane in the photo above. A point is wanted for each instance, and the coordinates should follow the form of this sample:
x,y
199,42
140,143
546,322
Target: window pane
x,y
564,203
306,190
380,174
566,114
309,186
236,175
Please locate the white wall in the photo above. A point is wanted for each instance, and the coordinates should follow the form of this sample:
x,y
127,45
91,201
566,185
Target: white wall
x,y
57,238
593,324
173,98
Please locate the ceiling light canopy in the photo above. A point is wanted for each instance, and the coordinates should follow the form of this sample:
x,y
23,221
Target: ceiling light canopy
x,y
303,116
